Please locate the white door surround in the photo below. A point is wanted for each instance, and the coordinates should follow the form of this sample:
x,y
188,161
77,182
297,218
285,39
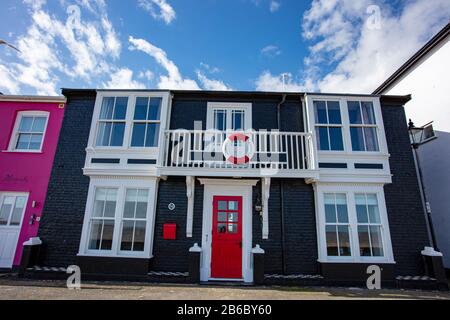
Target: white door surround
x,y
227,187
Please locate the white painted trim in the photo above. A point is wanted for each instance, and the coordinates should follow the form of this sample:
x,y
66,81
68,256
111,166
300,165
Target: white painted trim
x,y
190,193
237,173
265,212
125,151
350,189
38,99
121,184
14,134
229,106
227,187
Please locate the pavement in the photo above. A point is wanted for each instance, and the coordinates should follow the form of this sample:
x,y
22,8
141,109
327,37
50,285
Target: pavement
x,y
13,288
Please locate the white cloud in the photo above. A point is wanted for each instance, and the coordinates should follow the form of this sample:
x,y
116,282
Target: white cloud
x,y
279,83
52,47
271,51
348,56
212,84
148,75
159,9
123,79
173,79
274,6
209,69
7,80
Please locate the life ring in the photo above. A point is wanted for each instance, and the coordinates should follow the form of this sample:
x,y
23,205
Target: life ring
x,y
231,158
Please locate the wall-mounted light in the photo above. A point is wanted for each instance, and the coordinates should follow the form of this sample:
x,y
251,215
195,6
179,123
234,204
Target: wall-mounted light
x,y
34,204
258,204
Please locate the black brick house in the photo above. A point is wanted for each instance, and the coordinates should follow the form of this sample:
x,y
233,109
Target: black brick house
x,y
324,184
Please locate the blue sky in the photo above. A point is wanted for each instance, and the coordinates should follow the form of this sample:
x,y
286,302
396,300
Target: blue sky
x,y
271,45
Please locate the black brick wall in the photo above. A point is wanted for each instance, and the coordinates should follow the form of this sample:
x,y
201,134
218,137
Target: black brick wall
x,y
172,255
62,219
300,228
186,110
403,201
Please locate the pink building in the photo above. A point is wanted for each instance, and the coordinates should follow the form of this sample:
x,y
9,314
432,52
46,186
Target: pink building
x,y
29,130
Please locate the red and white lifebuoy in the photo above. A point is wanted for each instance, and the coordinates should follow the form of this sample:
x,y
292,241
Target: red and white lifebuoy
x,y
238,160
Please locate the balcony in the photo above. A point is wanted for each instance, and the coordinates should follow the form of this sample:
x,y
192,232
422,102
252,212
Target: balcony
x,y
239,154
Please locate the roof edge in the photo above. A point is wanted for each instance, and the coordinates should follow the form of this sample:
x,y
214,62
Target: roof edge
x,y
26,98
429,46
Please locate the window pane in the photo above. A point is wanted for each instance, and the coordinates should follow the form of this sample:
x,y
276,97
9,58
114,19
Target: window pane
x,y
127,236
222,217
357,139
5,210
23,142
152,135
364,243
238,120
372,206
232,228
138,137
35,142
140,111
17,213
330,208
222,228
154,112
129,209
371,139
39,124
25,124
334,112
322,138
320,110
368,113
104,133
107,238
377,242
222,205
106,112
141,210
117,134
354,112
219,120
336,139
233,217
110,205
332,246
344,241
120,111
341,204
233,205
139,236
95,236
361,208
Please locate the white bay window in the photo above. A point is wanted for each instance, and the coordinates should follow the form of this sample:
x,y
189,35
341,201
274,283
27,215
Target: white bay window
x,y
352,224
119,218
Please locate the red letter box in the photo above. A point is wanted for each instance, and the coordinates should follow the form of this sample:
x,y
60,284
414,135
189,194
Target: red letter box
x,y
170,231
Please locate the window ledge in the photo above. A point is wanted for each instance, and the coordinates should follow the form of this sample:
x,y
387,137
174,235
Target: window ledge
x,y
122,256
361,261
21,151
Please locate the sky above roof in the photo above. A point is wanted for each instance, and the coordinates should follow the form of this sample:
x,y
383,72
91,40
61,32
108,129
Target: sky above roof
x,y
268,45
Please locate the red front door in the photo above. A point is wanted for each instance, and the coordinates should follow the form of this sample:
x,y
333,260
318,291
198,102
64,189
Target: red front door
x,y
226,259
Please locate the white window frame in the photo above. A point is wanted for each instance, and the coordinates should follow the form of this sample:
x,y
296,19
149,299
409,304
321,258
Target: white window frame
x,y
151,184
348,151
14,194
146,122
329,125
350,190
363,126
112,121
15,133
229,107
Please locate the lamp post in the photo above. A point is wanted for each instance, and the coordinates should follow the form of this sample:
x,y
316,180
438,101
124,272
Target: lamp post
x,y
416,141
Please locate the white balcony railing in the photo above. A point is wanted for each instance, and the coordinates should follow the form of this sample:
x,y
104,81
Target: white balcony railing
x,y
199,149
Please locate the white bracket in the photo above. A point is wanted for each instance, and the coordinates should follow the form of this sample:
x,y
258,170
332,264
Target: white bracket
x,y
265,205
190,189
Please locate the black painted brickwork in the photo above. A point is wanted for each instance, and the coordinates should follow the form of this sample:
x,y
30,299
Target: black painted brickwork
x,y
403,201
62,219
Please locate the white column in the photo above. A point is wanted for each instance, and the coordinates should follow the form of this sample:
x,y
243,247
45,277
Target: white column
x,y
190,189
265,205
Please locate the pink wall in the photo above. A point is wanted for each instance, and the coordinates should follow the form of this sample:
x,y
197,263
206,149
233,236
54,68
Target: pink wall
x,y
28,172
